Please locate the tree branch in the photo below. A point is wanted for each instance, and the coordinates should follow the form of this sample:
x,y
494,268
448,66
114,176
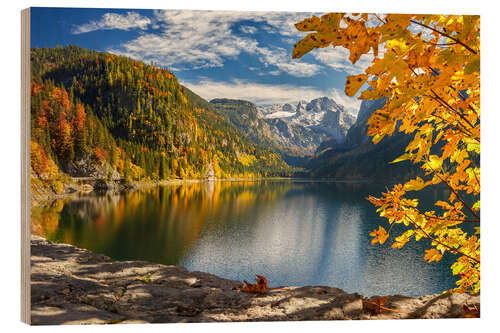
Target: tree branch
x,y
456,194
452,249
454,89
442,102
458,129
440,44
445,104
445,35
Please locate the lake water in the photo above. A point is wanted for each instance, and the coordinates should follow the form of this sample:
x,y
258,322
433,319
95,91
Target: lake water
x,y
293,232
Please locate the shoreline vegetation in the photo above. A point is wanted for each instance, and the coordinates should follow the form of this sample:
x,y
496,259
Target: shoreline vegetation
x,y
42,194
70,285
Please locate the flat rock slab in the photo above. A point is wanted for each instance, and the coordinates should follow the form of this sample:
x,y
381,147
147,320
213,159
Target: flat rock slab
x,y
75,286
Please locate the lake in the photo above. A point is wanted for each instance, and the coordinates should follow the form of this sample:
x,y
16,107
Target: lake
x,y
293,232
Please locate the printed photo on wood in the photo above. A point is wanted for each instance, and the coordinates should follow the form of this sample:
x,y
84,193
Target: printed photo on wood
x,y
222,166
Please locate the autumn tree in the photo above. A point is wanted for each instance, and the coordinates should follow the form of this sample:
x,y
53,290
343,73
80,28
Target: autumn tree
x,y
63,142
427,67
79,130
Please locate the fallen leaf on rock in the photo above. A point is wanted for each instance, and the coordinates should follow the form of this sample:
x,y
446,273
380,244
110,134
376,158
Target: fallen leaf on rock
x,y
256,288
471,311
375,304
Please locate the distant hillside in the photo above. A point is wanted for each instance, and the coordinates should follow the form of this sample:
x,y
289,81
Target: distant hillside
x,y
244,115
101,115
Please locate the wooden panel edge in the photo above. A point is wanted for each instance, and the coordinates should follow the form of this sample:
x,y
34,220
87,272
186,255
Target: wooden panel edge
x,y
25,168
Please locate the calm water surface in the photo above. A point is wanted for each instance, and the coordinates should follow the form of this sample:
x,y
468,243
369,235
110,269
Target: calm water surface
x,y
293,232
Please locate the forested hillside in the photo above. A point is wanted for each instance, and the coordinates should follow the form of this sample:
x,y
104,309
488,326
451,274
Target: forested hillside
x,y
264,132
100,115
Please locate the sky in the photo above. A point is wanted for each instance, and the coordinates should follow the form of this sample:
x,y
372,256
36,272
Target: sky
x,y
239,55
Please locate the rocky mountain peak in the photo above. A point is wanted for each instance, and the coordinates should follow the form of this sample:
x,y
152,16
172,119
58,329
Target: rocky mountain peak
x,y
321,118
288,107
301,106
324,104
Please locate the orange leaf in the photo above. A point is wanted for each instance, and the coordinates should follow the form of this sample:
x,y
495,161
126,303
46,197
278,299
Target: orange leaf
x,y
432,255
353,83
375,304
379,235
309,24
256,288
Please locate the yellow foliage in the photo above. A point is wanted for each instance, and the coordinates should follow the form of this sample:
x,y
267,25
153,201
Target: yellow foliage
x,y
136,172
247,159
353,83
430,77
379,236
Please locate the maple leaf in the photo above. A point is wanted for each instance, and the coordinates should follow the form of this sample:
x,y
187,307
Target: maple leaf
x,y
353,83
375,304
432,255
256,288
379,236
309,24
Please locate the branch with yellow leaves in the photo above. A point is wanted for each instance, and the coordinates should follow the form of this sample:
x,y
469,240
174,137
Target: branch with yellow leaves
x,y
461,126
442,33
470,105
445,35
452,249
458,197
444,103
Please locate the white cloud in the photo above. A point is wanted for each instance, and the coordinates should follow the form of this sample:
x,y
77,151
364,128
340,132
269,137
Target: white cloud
x,y
290,41
284,23
274,73
269,29
338,59
205,39
110,21
281,58
299,69
189,39
351,104
178,52
268,94
247,29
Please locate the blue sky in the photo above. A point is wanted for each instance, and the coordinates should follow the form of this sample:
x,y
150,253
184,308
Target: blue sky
x,y
245,55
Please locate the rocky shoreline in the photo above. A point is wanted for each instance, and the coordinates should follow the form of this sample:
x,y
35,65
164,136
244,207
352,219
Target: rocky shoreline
x,y
70,285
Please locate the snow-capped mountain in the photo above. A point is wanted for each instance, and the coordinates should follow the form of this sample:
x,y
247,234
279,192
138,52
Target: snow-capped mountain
x,y
293,130
322,115
278,111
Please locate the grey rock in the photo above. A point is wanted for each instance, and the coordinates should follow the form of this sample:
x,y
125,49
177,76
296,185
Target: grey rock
x,y
75,286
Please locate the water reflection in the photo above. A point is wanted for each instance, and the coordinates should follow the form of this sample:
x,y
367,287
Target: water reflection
x,y
293,232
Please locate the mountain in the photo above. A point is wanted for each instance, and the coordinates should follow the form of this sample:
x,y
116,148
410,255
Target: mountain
x,y
357,132
322,115
96,114
295,131
291,141
357,157
245,117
